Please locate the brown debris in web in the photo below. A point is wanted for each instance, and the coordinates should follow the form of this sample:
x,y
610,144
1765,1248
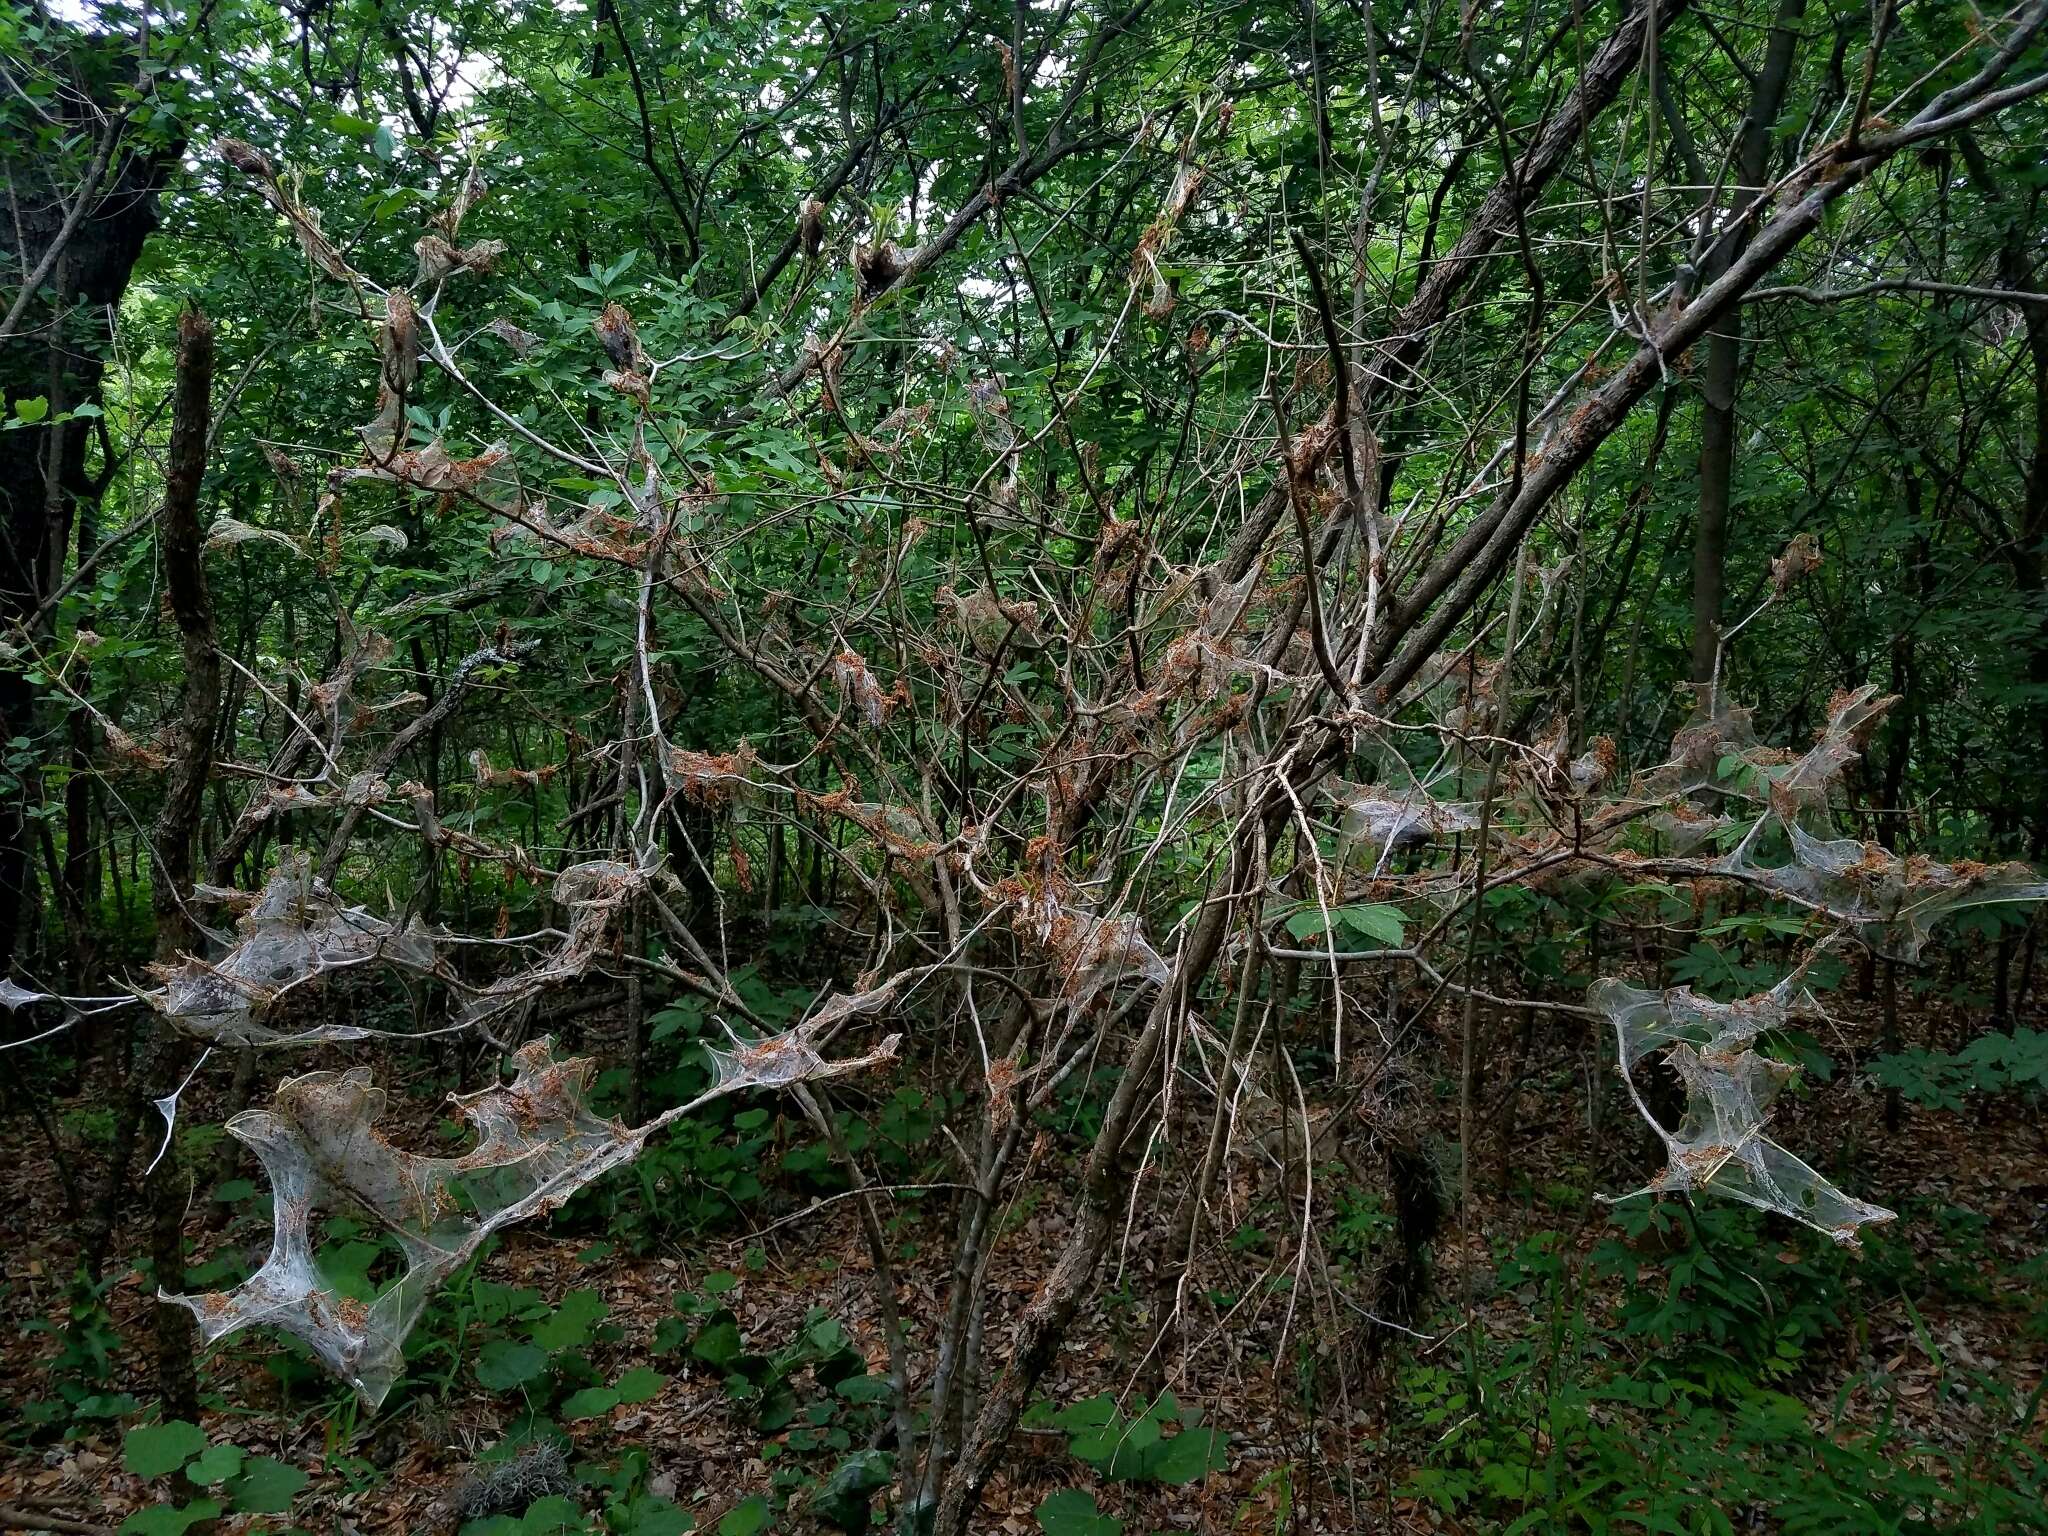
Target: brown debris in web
x,y
1853,715
1388,821
1698,750
1801,558
466,847
489,777
1686,828
522,342
596,895
398,351
1146,272
278,799
711,778
1550,770
1719,753
988,620
899,829
1092,953
225,532
598,533
441,259
124,752
489,477
282,193
371,652
537,1144
630,371
879,266
1200,662
777,1061
862,693
620,339
897,430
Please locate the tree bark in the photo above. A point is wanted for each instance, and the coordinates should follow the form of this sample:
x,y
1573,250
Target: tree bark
x,y
180,540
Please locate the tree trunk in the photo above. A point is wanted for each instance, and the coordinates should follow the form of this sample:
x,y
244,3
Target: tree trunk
x,y
1724,349
56,354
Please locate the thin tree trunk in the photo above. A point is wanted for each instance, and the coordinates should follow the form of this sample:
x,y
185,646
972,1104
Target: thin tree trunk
x,y
177,1374
177,825
1894,1108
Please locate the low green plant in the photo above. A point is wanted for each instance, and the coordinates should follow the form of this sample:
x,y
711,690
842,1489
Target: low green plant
x,y
1724,1305
196,1481
1553,1432
1133,1443
1991,1063
1073,1512
82,1374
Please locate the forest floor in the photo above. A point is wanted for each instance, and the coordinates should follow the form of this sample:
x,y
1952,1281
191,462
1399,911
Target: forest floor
x,y
1346,1466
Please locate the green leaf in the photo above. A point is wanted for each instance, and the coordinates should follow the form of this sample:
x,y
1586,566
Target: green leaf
x,y
1190,1456
346,1267
569,1326
1072,1512
551,1516
502,1365
642,1384
654,1517
746,1518
169,1519
718,1341
844,1500
216,1464
266,1487
590,1403
154,1449
31,410
1090,1413
494,1303
1376,921
1307,924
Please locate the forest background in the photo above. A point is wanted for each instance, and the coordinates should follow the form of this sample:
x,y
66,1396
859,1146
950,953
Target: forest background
x,y
1112,710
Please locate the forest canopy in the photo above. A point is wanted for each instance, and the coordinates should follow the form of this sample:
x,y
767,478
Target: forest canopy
x,y
1069,766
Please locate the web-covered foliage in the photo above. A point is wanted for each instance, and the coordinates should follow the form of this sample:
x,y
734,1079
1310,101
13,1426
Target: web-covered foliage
x,y
319,1143
1770,812
292,932
1719,1144
538,1143
1718,775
